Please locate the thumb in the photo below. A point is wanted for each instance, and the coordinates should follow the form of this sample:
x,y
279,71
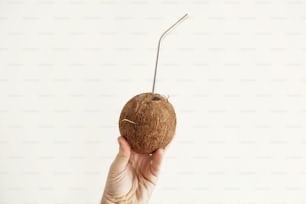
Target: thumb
x,y
123,156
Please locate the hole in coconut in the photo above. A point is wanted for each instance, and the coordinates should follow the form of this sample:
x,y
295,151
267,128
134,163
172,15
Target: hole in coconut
x,y
155,98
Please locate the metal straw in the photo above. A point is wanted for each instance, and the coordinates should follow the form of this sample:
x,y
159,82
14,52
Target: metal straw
x,y
159,42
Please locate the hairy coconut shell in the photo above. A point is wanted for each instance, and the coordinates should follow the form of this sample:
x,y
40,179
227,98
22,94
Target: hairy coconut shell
x,y
147,122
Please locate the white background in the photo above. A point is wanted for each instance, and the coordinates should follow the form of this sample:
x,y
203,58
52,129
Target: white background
x,y
234,71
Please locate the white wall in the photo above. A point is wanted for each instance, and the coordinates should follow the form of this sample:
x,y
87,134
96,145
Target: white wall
x,y
234,71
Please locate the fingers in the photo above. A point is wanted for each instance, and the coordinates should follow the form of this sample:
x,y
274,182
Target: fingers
x,y
157,158
123,156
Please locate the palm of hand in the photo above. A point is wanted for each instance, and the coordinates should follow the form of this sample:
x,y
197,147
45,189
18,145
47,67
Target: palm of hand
x,y
132,176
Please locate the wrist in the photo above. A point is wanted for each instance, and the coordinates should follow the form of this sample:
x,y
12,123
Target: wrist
x,y
108,199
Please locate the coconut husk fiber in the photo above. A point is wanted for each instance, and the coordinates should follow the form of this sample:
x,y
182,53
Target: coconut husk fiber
x,y
147,122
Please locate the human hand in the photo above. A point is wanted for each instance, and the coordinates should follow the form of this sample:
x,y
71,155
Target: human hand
x,y
132,176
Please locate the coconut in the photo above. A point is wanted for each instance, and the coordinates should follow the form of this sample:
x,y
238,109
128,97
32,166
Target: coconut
x,y
147,122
